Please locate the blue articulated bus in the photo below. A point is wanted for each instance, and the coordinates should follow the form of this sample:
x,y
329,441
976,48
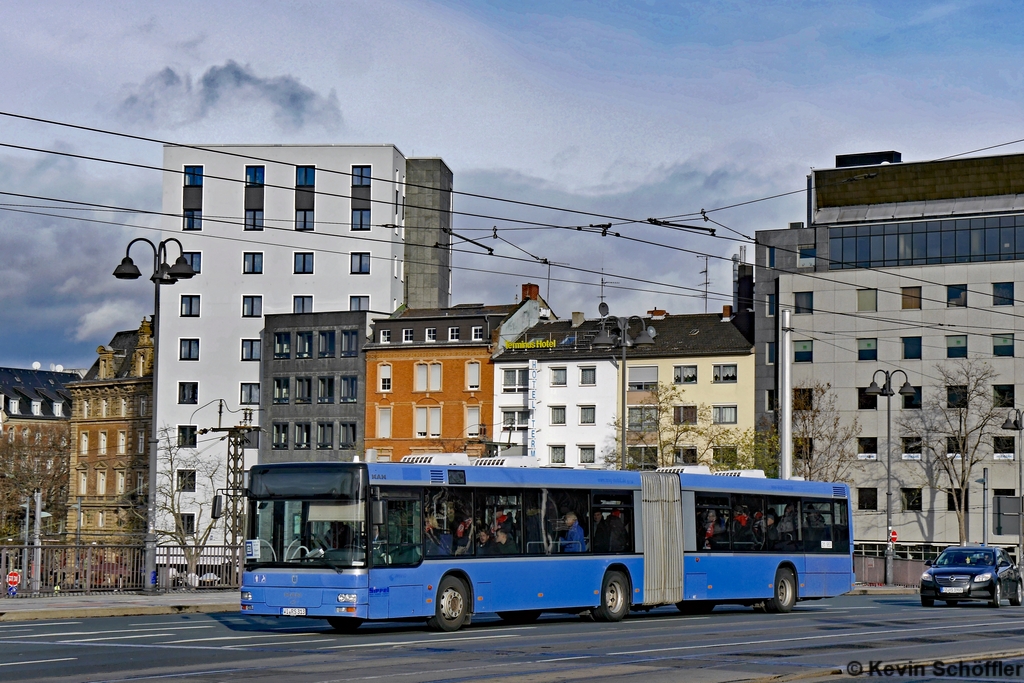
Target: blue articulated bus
x,y
351,542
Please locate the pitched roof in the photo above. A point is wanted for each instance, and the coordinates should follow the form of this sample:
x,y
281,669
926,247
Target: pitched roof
x,y
35,385
459,310
124,344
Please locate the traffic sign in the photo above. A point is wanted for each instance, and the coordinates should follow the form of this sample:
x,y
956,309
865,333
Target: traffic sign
x,y
892,536
13,579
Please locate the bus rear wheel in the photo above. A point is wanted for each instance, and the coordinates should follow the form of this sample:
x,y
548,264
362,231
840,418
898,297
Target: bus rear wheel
x,y
451,608
784,596
614,598
520,617
344,624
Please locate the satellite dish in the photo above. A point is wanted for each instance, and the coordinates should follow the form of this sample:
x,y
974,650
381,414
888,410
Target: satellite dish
x,y
36,365
59,368
651,331
603,309
52,367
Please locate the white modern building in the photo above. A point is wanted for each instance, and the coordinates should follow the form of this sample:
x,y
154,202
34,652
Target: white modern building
x,y
285,229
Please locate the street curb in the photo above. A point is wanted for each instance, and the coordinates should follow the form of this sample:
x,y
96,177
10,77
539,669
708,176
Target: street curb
x,y
883,590
115,611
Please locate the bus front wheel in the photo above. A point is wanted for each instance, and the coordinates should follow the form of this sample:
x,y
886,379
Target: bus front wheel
x,y
784,596
451,609
614,597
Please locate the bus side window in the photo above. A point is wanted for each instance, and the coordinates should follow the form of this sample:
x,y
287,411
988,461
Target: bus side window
x,y
499,522
399,542
448,522
611,516
817,526
840,528
541,523
713,521
748,523
786,513
572,521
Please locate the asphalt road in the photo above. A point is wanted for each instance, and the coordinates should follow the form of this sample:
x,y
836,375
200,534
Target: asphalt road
x,y
814,642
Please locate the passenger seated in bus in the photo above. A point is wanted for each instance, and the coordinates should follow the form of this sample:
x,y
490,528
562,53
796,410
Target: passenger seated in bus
x,y
463,536
602,530
574,539
789,523
618,538
484,542
503,543
435,541
741,527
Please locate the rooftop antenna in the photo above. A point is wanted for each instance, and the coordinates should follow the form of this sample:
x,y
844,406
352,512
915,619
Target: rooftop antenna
x,y
707,281
605,282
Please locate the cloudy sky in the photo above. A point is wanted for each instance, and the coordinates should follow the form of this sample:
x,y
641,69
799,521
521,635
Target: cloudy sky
x,y
631,109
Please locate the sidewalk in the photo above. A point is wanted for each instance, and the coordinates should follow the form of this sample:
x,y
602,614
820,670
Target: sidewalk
x,y
866,589
117,605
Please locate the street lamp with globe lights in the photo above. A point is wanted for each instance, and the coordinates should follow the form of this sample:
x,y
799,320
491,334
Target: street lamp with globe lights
x,y
163,274
887,391
606,340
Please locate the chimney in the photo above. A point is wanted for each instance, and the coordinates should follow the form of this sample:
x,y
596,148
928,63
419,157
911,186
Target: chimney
x,y
726,313
577,319
657,313
531,291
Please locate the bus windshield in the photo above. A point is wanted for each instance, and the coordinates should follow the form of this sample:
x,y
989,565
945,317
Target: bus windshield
x,y
319,522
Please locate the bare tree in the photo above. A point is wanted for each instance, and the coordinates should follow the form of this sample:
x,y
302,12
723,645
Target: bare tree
x,y
34,457
955,426
823,443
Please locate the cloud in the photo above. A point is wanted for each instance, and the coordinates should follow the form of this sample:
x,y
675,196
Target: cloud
x,y
169,99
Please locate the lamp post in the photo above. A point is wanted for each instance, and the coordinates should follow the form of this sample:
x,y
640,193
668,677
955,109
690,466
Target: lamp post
x,y
1015,422
609,341
163,274
886,390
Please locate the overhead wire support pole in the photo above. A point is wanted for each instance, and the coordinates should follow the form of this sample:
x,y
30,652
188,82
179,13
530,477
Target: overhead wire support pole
x,y
234,531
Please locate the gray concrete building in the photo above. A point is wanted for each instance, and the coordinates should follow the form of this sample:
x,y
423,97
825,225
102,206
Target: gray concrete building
x,y
312,386
912,267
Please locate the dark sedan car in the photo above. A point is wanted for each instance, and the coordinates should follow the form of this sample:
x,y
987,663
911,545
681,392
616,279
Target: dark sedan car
x,y
972,573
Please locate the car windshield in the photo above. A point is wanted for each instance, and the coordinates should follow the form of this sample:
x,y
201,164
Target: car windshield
x,y
966,558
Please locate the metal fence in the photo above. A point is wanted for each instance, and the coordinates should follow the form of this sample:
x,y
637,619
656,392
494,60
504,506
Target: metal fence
x,y
870,569
66,569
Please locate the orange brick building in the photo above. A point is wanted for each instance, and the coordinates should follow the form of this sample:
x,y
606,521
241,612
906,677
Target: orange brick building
x,y
429,383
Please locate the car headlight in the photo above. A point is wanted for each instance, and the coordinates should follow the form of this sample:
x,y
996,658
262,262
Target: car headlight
x,y
987,576
927,577
347,597
246,595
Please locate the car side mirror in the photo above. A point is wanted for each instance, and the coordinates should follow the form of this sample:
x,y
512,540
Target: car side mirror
x,y
927,563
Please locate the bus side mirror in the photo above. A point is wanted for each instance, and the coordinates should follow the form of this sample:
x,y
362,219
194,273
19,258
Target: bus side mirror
x,y
218,507
379,511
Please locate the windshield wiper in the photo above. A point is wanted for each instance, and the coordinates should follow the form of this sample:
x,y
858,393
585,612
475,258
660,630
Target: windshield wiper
x,y
319,555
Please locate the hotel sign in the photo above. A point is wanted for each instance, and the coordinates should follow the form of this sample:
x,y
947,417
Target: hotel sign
x,y
531,394
532,344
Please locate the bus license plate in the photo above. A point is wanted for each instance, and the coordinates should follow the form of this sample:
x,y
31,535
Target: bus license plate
x,y
293,611
952,590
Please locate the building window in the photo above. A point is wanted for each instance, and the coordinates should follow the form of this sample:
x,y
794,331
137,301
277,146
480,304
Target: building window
x,y
472,421
360,219
684,415
250,394
305,176
190,306
385,336
430,334
723,414
349,343
303,390
250,349
911,447
587,454
956,346
281,390
515,420
1002,294
557,415
384,423
686,455
588,377
515,380
953,497
303,434
188,393
187,523
282,345
252,306
192,219
684,374
867,499
911,348
867,448
1002,396
252,263
254,176
303,344
347,389
325,435
913,402
407,336
805,257
254,219
771,257
384,376
724,455
866,401
303,263
186,436
188,349
588,415
477,333
1003,446
911,298
193,176
771,305
186,481
304,219
360,176
453,334
280,435
1002,344
803,351
957,396
867,349
359,303
120,483
803,303
911,500
558,377
325,344
723,374
956,295
428,422
302,304
867,299
557,454
472,376
195,260
122,442
360,263
347,435
769,353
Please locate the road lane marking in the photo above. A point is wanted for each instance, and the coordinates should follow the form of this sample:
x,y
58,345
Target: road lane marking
x,y
260,635
93,640
123,630
561,659
416,642
22,624
40,661
283,642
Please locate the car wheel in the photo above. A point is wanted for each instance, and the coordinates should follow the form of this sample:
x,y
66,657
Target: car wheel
x,y
927,602
997,594
785,592
451,610
1017,599
614,598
